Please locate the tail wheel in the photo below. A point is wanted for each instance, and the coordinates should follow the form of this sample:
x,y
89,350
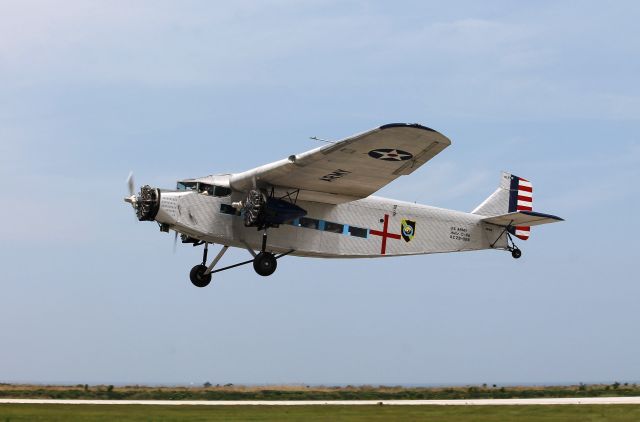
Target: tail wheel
x,y
516,253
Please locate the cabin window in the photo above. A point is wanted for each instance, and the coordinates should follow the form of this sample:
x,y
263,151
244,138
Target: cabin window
x,y
333,227
221,191
228,209
186,185
205,188
310,223
327,226
358,232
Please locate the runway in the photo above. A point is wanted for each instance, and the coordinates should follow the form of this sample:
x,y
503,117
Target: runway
x,y
478,402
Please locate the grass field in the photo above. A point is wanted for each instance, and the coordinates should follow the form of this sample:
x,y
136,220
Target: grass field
x,y
90,413
301,392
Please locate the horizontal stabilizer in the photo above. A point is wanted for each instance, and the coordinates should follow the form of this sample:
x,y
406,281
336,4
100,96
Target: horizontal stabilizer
x,y
522,218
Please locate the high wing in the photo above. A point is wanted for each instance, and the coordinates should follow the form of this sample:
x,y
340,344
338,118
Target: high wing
x,y
352,168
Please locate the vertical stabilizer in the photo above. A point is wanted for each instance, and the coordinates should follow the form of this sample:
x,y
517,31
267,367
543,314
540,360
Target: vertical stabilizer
x,y
514,194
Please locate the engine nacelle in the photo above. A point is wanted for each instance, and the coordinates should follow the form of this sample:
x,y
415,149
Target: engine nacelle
x,y
147,203
262,212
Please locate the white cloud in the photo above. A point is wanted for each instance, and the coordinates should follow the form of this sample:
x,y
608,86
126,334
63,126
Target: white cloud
x,y
527,65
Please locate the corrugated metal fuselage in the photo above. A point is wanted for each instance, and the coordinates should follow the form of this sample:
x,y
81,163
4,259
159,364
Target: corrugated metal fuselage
x,y
370,227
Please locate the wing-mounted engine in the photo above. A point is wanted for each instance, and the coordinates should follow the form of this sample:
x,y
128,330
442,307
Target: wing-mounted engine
x,y
263,211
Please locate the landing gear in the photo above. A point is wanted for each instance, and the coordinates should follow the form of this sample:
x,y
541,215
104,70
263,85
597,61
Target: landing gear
x,y
516,253
199,276
265,264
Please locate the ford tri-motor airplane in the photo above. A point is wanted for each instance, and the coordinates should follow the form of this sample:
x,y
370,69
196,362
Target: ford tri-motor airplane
x,y
319,204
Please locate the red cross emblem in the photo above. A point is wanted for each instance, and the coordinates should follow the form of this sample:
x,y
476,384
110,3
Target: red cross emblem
x,y
385,234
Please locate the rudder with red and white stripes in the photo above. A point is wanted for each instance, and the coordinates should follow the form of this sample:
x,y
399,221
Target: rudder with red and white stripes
x,y
520,199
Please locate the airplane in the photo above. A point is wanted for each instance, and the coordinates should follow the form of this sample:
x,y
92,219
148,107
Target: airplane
x,y
319,204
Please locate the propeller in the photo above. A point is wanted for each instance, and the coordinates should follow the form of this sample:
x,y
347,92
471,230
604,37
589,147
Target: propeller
x,y
132,191
132,187
145,204
175,242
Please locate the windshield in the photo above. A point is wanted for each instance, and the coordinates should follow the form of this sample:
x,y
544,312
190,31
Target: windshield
x,y
204,188
186,185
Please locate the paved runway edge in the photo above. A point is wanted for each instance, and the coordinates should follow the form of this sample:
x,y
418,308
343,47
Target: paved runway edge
x,y
477,402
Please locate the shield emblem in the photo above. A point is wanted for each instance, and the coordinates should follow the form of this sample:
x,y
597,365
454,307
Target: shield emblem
x,y
408,230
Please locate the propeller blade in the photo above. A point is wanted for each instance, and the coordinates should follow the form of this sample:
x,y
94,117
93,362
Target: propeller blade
x,y
131,184
175,242
131,199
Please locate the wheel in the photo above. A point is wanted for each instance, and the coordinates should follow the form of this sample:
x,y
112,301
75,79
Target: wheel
x,y
265,264
198,277
516,253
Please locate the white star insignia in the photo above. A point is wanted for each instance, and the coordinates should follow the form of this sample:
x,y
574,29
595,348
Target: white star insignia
x,y
393,155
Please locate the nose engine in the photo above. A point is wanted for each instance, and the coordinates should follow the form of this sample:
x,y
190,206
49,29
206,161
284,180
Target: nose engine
x,y
146,203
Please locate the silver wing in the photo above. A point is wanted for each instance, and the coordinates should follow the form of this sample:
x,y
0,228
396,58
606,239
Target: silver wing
x,y
352,168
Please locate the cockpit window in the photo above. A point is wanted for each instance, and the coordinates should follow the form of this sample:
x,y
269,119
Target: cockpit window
x,y
186,185
205,188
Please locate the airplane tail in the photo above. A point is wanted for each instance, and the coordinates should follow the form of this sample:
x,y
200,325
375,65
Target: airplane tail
x,y
515,195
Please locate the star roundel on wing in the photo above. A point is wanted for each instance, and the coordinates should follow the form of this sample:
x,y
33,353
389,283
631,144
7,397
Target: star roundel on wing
x,y
388,154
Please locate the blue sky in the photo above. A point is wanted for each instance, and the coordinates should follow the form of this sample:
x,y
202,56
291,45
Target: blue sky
x,y
92,90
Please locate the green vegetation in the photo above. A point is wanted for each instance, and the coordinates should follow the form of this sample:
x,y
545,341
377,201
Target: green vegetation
x,y
232,392
124,413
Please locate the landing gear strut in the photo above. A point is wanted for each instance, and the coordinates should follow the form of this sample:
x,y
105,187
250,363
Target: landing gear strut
x,y
264,263
516,253
200,275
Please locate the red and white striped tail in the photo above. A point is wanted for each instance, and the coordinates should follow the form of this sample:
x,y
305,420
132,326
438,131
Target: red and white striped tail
x,y
525,195
521,199
522,232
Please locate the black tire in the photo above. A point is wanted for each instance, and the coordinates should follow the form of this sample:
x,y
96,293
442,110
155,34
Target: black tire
x,y
198,277
265,264
516,253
